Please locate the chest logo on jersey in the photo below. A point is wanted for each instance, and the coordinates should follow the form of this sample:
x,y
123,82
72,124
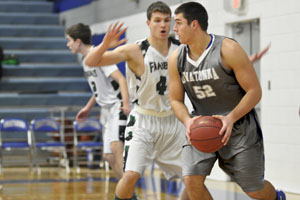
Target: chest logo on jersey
x,y
203,75
154,66
90,73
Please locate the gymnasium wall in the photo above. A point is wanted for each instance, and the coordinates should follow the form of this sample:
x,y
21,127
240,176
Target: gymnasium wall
x,y
280,72
280,75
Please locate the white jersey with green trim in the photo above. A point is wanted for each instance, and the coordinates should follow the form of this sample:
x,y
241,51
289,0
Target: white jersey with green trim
x,y
105,89
152,90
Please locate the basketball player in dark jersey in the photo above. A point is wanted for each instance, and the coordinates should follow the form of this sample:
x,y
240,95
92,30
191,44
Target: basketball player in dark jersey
x,y
219,79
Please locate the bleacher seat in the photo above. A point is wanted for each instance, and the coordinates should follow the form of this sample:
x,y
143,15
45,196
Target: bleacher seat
x,y
47,135
91,130
15,134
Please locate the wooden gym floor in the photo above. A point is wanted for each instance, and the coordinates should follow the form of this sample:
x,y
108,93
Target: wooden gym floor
x,y
56,184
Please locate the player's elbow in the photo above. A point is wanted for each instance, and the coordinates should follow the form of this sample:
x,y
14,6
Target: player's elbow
x,y
260,95
173,103
88,62
257,94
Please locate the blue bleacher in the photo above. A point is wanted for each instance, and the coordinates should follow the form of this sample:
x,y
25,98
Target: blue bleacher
x,y
49,77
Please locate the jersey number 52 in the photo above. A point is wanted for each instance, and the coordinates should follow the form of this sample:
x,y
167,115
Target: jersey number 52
x,y
203,91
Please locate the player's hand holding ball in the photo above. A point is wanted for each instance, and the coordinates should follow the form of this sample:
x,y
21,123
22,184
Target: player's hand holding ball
x,y
204,134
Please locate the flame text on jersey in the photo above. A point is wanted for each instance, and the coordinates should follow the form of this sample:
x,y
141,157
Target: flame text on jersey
x,y
158,66
202,75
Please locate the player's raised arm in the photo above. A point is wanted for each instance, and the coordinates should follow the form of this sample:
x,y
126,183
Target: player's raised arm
x,y
99,56
257,56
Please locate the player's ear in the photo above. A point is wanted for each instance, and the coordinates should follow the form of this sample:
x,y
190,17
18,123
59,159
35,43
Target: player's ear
x,y
78,41
194,24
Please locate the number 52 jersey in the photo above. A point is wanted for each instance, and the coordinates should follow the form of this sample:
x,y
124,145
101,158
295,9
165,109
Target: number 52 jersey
x,y
211,87
152,90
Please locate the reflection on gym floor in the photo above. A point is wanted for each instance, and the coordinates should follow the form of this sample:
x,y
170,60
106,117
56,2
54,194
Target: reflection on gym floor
x,y
54,183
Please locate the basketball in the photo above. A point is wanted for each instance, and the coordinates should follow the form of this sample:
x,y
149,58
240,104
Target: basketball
x,y
204,134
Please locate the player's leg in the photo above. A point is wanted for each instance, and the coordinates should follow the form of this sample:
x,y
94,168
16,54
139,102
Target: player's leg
x,y
247,169
117,158
267,192
117,124
184,195
137,155
169,149
126,185
111,159
108,155
196,166
196,187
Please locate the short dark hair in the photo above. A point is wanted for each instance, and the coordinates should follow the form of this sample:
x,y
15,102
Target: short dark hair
x,y
80,31
158,6
194,11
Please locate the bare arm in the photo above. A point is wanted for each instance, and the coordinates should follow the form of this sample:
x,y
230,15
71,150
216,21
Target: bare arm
x,y
100,56
235,58
255,57
131,53
177,93
118,76
86,110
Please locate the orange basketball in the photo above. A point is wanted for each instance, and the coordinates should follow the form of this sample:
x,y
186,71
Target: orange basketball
x,y
205,134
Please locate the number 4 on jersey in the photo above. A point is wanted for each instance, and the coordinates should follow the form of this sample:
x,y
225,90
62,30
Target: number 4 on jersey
x,y
161,86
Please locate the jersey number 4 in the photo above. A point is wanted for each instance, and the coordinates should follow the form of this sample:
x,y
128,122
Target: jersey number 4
x,y
203,91
161,86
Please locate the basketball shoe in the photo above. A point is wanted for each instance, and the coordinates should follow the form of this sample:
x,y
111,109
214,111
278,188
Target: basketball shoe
x,y
280,195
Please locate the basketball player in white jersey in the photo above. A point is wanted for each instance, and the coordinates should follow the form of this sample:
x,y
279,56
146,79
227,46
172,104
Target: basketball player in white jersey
x,y
153,133
110,92
217,75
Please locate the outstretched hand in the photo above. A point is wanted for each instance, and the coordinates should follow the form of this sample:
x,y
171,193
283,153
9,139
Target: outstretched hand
x,y
255,57
83,114
113,35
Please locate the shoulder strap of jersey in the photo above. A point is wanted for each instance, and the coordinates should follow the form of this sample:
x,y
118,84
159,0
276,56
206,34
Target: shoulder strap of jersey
x,y
173,40
144,45
181,58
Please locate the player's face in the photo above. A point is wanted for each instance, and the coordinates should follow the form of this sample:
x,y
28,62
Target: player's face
x,y
159,25
72,45
182,29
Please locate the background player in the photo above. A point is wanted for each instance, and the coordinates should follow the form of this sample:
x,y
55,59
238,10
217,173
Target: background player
x,y
153,133
109,91
220,80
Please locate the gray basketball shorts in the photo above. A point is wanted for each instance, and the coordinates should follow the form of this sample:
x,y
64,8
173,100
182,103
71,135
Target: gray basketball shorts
x,y
246,168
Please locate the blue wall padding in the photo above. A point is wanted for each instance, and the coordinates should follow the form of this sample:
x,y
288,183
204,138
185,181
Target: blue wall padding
x,y
63,5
